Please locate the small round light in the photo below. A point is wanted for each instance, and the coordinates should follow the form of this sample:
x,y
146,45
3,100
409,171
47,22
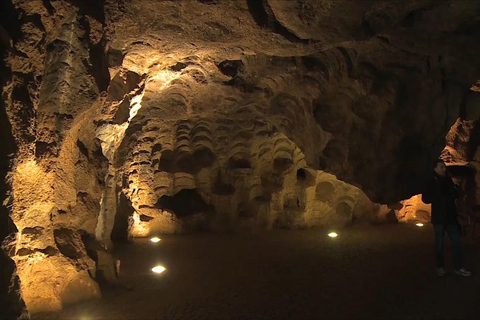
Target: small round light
x,y
333,235
155,239
158,269
419,224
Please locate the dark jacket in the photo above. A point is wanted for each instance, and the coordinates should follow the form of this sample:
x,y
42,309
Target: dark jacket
x,y
441,192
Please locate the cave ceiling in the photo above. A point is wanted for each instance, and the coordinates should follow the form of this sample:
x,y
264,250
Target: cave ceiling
x,y
365,89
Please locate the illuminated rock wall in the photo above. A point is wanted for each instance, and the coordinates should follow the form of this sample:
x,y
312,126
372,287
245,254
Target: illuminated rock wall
x,y
11,303
55,190
140,117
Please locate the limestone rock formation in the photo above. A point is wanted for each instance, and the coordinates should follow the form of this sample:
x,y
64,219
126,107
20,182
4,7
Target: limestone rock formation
x,y
12,305
133,118
462,155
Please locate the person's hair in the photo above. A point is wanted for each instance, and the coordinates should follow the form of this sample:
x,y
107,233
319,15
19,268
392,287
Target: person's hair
x,y
436,162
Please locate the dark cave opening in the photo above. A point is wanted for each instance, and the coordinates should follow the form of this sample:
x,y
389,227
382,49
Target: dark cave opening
x,y
122,220
184,203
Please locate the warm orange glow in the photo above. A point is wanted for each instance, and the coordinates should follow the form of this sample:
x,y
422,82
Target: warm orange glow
x,y
158,269
135,105
139,229
28,167
155,239
162,79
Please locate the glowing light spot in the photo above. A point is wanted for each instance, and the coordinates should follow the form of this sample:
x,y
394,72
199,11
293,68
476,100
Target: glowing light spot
x,y
155,239
158,269
135,105
333,235
419,224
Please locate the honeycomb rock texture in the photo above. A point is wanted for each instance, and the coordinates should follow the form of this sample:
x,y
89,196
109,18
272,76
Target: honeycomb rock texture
x,y
135,118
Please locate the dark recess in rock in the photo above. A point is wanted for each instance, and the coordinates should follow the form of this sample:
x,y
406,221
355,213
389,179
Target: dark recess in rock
x,y
121,225
48,6
186,163
301,174
166,161
83,149
68,243
184,203
98,57
231,67
179,66
208,1
239,163
258,12
204,157
263,15
144,217
43,149
99,68
222,188
10,20
92,8
313,63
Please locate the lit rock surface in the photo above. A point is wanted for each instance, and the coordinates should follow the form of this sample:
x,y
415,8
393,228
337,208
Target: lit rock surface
x,y
133,118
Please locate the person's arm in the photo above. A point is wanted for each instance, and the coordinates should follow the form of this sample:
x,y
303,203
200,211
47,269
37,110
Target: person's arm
x,y
428,193
456,189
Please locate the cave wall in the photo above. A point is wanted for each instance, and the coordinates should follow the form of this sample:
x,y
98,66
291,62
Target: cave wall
x,y
11,303
56,175
288,114
387,82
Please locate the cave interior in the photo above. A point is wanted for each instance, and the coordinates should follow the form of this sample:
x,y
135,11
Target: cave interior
x,y
126,120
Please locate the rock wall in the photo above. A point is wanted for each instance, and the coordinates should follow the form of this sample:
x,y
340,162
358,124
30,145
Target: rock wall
x,y
12,305
56,176
139,117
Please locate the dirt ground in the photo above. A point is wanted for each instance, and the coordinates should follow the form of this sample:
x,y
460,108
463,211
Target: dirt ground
x,y
367,272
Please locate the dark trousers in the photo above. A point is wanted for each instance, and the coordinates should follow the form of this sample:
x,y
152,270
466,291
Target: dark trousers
x,y
454,235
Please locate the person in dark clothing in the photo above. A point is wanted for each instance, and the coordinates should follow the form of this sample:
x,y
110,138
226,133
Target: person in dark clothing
x,y
441,192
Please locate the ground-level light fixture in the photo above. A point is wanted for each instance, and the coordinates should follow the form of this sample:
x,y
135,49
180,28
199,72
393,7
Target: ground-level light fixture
x,y
158,269
333,235
155,239
419,224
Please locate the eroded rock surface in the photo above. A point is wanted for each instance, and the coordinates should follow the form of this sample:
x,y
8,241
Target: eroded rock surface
x,y
140,117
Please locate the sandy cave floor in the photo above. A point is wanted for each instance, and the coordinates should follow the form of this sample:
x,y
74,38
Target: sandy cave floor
x,y
367,272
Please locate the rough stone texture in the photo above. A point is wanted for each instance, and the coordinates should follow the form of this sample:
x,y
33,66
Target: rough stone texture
x,y
414,210
12,305
140,117
390,93
56,174
462,155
